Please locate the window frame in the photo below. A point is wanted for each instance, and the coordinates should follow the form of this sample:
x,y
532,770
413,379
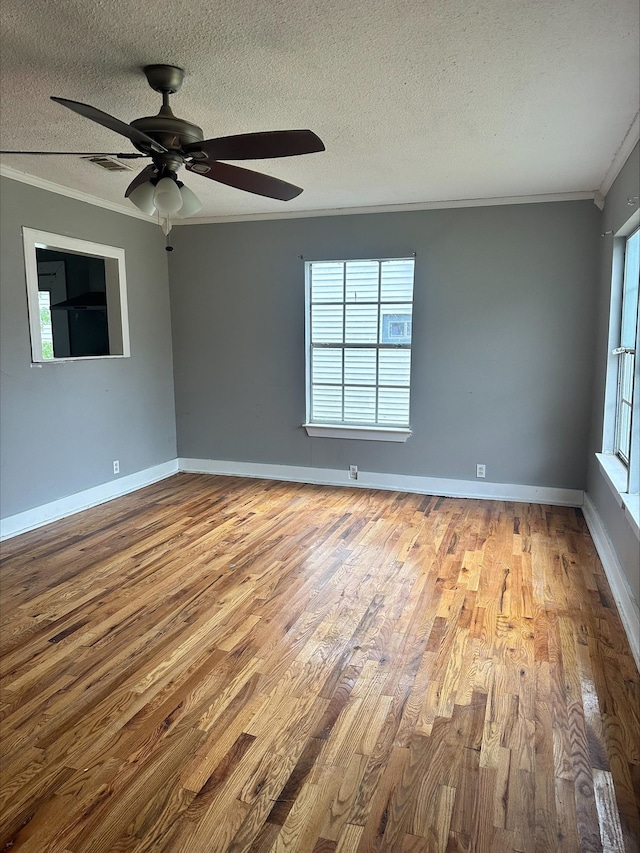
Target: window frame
x,y
116,283
625,355
623,479
343,429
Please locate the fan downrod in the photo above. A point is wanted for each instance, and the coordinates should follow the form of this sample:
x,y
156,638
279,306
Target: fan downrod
x,y
166,79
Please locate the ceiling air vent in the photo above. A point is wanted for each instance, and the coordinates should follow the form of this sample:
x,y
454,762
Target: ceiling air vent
x,y
110,164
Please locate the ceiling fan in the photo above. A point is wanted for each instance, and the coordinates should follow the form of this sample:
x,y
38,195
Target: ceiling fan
x,y
172,142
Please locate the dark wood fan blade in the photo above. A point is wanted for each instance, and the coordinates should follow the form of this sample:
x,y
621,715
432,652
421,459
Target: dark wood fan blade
x,y
256,146
145,175
112,123
245,179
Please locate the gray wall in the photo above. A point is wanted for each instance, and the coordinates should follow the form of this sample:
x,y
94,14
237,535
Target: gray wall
x,y
619,530
62,425
504,319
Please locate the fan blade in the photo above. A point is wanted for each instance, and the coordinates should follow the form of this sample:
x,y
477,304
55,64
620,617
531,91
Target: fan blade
x,y
245,179
255,146
145,175
80,154
136,136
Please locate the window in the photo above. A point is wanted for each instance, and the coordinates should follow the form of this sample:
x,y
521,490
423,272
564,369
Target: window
x,y
359,324
46,327
76,294
620,457
626,349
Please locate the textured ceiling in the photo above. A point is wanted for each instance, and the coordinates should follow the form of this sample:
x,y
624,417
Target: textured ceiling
x,y
416,100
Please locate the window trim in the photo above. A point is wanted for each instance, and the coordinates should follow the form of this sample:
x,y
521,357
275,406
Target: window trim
x,y
114,258
363,432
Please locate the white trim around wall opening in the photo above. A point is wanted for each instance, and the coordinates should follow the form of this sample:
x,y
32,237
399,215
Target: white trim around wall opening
x,y
51,315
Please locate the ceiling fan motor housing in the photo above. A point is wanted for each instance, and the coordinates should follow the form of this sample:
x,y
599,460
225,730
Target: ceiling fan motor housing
x,y
174,133
171,132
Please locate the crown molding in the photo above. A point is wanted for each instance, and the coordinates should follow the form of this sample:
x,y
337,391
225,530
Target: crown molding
x,y
78,195
587,195
622,155
130,210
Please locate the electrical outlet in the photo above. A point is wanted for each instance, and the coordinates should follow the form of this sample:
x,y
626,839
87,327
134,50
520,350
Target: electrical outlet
x,y
116,466
481,471
353,472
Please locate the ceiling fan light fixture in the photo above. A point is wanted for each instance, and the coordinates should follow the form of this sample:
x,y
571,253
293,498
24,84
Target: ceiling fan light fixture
x,y
156,189
190,202
167,198
143,197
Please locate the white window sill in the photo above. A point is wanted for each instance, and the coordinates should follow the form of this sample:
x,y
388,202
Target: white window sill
x,y
40,362
357,432
617,478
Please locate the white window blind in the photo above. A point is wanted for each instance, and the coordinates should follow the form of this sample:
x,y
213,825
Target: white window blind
x,y
359,327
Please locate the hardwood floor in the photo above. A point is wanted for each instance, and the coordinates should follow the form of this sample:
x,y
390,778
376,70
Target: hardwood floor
x,y
213,664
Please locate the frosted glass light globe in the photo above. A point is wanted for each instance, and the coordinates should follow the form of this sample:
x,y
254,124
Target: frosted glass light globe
x,y
167,198
142,197
190,203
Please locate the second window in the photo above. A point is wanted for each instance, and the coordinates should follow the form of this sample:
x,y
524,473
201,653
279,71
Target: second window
x,y
359,326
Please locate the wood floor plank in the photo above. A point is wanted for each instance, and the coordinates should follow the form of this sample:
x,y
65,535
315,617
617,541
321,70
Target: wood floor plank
x,y
217,665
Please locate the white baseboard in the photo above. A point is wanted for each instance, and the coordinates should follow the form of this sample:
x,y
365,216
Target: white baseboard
x,y
626,603
40,515
392,482
627,606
